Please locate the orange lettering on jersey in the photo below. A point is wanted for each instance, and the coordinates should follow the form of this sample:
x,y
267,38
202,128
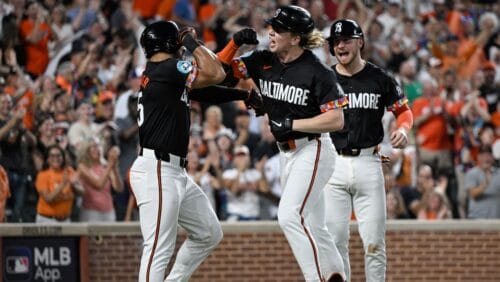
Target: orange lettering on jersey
x,y
144,81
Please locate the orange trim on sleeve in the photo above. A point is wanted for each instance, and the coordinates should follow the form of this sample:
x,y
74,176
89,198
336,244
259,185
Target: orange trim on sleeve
x,y
404,117
226,55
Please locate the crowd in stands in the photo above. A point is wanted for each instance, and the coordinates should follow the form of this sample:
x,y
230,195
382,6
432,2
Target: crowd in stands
x,y
70,71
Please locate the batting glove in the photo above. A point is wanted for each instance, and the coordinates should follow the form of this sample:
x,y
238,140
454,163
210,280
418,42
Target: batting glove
x,y
254,101
245,36
281,126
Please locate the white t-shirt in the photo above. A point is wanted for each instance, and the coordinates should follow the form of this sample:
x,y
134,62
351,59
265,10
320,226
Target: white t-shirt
x,y
245,203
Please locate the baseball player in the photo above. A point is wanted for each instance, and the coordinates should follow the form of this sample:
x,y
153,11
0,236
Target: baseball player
x,y
357,181
165,194
301,98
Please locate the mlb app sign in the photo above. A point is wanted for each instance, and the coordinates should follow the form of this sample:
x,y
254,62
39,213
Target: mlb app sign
x,y
40,259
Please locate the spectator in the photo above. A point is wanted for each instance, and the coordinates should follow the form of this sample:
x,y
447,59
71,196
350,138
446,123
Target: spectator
x,y
431,122
413,196
14,143
434,206
107,131
4,192
61,27
213,122
269,200
83,13
128,138
490,89
98,179
83,128
391,17
482,184
243,134
203,177
56,186
45,138
36,34
133,86
267,145
224,144
243,184
395,205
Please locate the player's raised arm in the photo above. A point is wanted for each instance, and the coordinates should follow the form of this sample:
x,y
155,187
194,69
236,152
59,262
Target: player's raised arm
x,y
209,68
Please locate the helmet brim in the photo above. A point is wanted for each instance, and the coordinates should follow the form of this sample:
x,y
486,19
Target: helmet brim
x,y
278,25
331,38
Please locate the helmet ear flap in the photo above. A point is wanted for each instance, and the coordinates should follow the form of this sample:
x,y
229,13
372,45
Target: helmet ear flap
x,y
331,46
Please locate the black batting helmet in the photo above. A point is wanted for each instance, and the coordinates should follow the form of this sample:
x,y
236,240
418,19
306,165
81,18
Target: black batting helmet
x,y
345,28
160,36
293,19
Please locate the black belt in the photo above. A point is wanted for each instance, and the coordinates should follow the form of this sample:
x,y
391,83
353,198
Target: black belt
x,y
164,156
354,152
292,144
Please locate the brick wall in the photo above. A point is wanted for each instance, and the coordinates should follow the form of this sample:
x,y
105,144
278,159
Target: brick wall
x,y
417,251
423,254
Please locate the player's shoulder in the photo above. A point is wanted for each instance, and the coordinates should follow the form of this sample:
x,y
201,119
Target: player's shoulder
x,y
374,70
317,66
263,54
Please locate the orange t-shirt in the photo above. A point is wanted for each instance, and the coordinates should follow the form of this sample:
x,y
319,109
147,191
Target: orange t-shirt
x,y
495,119
431,215
46,181
432,134
165,9
4,192
37,54
146,8
205,13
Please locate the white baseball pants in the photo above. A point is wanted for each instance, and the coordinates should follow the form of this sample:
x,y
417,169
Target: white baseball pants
x,y
166,195
301,214
359,182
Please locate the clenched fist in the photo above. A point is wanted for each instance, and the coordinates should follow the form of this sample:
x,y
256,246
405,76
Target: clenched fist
x,y
245,36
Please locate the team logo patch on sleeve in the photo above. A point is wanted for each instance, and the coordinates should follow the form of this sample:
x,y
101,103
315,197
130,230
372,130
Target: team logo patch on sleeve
x,y
184,67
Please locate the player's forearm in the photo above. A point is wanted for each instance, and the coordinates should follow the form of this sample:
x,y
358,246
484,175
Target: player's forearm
x,y
404,119
329,121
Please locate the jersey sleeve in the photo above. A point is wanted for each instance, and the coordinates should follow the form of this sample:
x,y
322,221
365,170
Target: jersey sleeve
x,y
395,95
185,71
329,92
246,64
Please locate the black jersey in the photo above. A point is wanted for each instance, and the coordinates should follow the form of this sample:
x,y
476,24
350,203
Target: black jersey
x,y
300,89
370,92
163,106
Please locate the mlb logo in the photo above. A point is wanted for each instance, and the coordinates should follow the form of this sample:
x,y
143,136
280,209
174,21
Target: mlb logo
x,y
17,264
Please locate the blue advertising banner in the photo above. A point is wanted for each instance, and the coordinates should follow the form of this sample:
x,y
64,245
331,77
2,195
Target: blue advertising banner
x,y
40,259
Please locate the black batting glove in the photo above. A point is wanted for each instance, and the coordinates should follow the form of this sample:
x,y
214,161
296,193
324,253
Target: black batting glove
x,y
245,36
254,101
281,126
